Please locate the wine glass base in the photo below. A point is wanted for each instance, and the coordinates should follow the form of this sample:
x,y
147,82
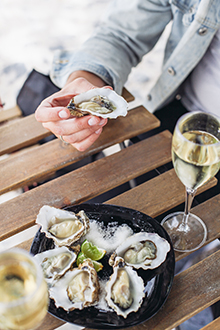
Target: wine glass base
x,y
185,238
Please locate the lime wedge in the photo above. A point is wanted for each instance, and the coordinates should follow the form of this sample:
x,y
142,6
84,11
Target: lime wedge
x,y
81,257
97,265
92,251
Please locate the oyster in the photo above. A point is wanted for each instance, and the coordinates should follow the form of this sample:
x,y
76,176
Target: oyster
x,y
102,102
143,250
62,226
77,289
125,289
56,262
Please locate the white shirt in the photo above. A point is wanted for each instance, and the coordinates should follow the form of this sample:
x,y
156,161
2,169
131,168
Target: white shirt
x,y
202,89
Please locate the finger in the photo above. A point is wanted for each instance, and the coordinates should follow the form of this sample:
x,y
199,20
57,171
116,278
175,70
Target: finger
x,y
53,108
86,143
88,124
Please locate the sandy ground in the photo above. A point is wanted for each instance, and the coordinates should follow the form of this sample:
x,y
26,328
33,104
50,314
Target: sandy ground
x,y
31,30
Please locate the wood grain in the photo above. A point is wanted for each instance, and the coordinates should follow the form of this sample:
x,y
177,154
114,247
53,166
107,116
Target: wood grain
x,y
193,290
10,113
86,182
127,95
27,131
166,187
21,133
209,211
36,164
214,325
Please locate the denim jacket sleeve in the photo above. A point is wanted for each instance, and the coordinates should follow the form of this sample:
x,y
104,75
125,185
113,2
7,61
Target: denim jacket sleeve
x,y
128,31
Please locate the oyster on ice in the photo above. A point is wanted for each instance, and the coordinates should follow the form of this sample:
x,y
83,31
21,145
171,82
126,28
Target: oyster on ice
x,y
77,289
125,289
62,226
56,262
143,250
102,102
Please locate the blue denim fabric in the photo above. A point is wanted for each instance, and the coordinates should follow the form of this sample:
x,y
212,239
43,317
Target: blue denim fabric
x,y
130,29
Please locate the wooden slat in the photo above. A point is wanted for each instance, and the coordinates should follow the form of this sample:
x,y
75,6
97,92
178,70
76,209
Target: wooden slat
x,y
21,133
50,323
10,113
208,211
166,187
214,325
193,290
85,183
127,95
33,165
27,131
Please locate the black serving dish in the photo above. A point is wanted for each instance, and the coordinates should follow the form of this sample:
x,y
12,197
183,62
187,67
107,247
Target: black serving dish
x,y
162,277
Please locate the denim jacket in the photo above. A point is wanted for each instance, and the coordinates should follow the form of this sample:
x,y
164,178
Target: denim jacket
x,y
130,29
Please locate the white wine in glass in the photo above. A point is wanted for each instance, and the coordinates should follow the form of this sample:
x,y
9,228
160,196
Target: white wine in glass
x,y
23,291
196,159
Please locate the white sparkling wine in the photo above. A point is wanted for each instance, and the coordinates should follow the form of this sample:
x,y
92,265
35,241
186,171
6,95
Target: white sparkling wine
x,y
196,159
23,298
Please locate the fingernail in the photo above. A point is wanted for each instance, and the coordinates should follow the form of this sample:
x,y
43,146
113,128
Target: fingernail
x,y
63,114
98,131
92,121
102,121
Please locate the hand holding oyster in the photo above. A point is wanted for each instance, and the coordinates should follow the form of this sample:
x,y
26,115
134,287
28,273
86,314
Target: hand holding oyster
x,y
102,102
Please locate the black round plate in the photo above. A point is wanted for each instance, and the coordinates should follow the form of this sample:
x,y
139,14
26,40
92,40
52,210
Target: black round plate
x,y
163,275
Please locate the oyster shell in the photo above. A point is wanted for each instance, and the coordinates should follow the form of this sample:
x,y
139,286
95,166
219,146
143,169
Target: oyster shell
x,y
62,226
102,102
77,289
143,250
56,262
125,289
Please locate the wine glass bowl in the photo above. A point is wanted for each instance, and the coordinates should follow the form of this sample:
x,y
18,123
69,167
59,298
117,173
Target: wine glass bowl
x,y
23,291
196,159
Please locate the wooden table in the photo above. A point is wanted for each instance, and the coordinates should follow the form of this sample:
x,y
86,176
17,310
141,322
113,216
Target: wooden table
x,y
27,161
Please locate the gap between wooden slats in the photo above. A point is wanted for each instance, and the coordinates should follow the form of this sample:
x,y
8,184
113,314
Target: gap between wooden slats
x,y
85,183
184,300
27,131
214,325
193,290
39,162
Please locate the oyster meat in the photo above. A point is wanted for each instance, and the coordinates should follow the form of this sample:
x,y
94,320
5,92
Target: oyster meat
x,y
102,102
125,289
77,289
62,226
143,250
56,262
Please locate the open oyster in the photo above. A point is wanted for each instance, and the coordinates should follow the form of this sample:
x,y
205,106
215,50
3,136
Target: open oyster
x,y
62,226
77,289
143,250
102,102
125,289
56,262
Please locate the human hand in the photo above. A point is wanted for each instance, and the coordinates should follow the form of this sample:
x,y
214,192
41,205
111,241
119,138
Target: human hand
x,y
53,114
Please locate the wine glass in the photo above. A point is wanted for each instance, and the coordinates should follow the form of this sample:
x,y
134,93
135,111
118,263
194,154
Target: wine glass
x,y
196,159
23,291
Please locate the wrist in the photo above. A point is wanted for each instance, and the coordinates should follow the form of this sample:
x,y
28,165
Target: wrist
x,y
90,77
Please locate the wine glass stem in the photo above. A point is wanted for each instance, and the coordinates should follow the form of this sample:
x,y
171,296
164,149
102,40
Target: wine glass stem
x,y
190,193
